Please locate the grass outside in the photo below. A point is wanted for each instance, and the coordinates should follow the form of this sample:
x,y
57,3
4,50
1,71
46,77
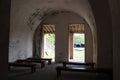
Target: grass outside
x,y
78,53
50,55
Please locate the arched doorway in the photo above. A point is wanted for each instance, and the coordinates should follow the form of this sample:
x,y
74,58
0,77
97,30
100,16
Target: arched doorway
x,y
44,41
62,19
48,41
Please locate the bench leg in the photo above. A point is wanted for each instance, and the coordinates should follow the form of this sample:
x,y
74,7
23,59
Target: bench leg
x,y
33,69
49,62
8,68
64,65
58,73
43,65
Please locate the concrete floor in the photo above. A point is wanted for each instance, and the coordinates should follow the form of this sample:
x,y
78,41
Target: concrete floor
x,y
49,73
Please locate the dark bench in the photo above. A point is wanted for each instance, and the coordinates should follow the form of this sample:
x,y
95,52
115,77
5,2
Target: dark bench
x,y
32,61
92,65
44,59
83,69
32,66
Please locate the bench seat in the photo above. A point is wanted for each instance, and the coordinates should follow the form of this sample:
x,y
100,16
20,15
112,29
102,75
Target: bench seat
x,y
83,69
31,61
92,65
44,59
14,64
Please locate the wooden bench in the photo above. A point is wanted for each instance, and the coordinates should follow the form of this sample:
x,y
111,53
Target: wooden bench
x,y
32,66
44,59
92,65
83,69
32,61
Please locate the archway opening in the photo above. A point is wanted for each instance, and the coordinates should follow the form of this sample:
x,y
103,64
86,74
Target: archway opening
x,y
63,35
